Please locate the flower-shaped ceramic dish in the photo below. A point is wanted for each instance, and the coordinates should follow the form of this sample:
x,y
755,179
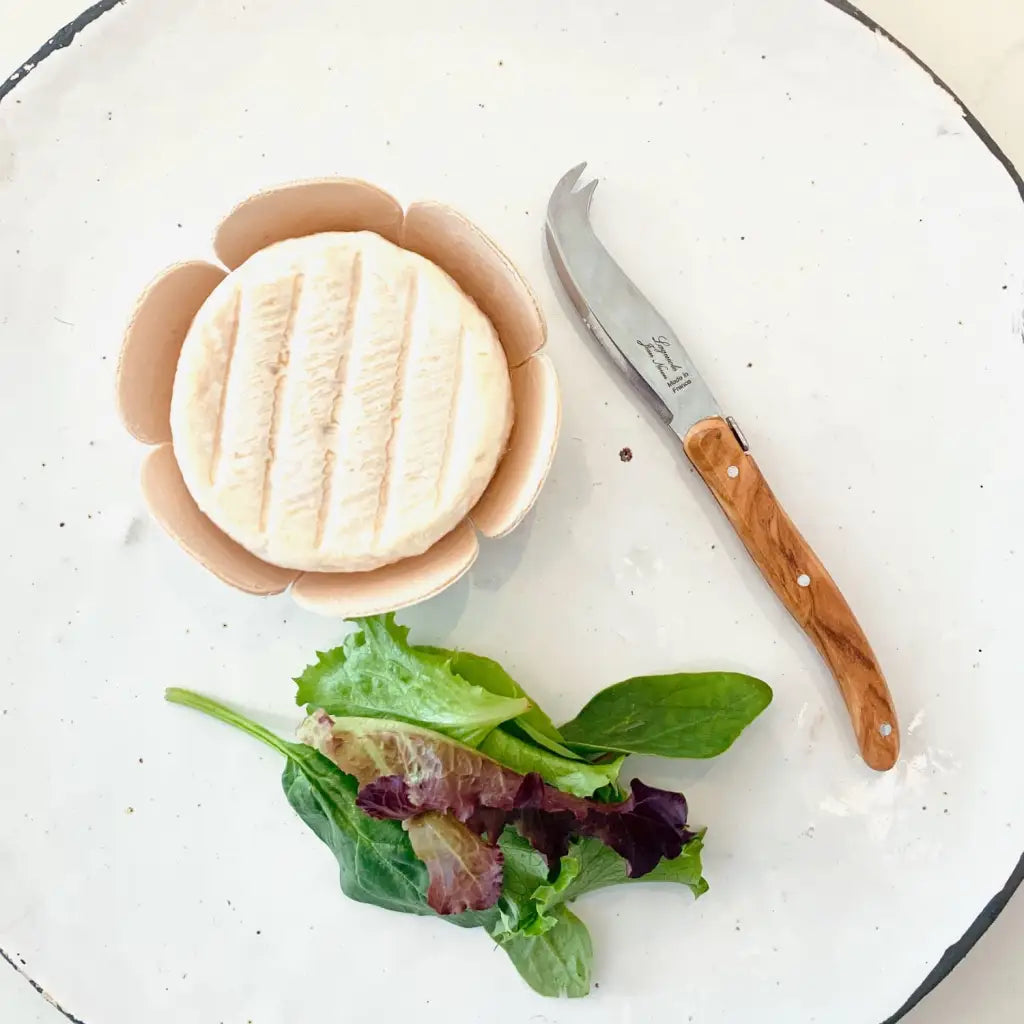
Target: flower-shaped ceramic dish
x,y
165,311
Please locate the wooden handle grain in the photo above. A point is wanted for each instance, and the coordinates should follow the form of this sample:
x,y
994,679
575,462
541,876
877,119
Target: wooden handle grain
x,y
801,582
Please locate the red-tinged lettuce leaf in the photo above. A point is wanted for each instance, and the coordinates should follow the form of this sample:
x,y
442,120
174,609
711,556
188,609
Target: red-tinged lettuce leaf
x,y
404,771
465,872
644,828
439,769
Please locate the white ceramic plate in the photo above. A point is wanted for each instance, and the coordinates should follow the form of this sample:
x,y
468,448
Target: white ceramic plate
x,y
845,259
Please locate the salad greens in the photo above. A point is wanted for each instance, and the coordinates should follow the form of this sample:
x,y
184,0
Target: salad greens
x,y
405,771
443,789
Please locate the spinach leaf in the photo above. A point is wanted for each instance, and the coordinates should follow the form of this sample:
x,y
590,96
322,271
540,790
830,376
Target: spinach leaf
x,y
377,866
577,777
558,962
486,673
680,715
375,673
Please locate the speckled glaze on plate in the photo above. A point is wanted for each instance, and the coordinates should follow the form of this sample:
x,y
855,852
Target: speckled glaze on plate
x,y
845,260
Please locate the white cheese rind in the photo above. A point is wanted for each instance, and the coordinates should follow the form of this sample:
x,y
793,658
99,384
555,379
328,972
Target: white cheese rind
x,y
339,403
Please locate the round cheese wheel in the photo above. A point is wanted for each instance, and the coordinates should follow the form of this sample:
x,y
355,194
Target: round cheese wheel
x,y
339,403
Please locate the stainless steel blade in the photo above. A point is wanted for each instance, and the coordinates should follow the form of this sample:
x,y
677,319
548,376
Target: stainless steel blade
x,y
617,314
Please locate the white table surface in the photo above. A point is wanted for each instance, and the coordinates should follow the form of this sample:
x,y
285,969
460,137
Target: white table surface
x,y
977,46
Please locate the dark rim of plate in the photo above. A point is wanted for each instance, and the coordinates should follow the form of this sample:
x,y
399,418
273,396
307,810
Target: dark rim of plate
x,y
955,953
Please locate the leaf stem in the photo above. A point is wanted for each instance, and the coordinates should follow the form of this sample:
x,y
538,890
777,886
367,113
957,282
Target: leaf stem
x,y
191,699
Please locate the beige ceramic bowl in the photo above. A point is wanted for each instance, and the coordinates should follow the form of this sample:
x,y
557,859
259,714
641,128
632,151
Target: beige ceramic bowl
x,y
168,305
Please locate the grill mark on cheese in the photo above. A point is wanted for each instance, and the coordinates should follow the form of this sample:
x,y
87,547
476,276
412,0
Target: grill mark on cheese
x,y
218,430
275,409
397,394
449,429
340,382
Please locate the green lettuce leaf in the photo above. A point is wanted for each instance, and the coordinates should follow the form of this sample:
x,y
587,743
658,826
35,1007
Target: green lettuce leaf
x,y
525,872
375,673
590,865
486,673
696,714
577,777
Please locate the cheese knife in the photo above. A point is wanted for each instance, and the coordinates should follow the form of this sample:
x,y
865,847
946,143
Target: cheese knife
x,y
643,346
